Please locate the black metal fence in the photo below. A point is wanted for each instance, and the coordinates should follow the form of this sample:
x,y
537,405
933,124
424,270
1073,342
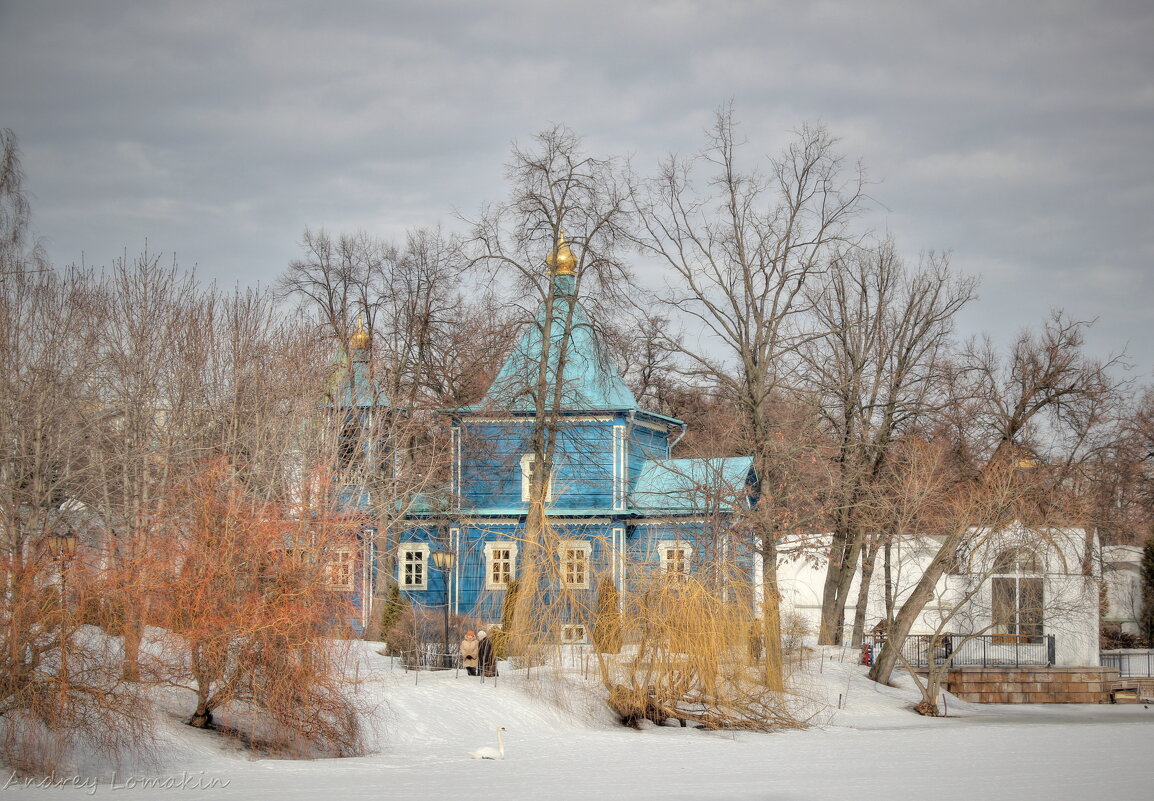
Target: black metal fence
x,y
430,656
981,650
1129,662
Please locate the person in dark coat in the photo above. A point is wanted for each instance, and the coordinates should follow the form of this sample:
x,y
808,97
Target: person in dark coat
x,y
487,660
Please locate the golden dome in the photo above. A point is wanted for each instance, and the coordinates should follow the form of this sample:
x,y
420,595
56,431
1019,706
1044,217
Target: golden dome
x,y
561,258
360,339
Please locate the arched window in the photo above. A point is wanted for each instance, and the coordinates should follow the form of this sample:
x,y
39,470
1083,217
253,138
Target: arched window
x,y
1017,596
1017,561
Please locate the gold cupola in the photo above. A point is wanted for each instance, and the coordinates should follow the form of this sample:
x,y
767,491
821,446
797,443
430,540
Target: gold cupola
x,y
360,339
561,259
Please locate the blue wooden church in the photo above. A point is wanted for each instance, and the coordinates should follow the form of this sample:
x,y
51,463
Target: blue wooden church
x,y
617,503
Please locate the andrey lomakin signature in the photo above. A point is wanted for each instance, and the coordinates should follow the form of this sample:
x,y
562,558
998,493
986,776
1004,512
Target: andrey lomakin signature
x,y
181,781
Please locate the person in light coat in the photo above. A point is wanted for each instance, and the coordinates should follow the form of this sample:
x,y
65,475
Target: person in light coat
x,y
469,649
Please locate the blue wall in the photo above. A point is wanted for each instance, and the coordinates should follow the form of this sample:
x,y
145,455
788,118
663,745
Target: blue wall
x,y
490,465
471,598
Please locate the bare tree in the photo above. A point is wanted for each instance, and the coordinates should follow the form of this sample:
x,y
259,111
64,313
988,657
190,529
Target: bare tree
x,y
248,615
55,680
574,208
877,373
1022,422
148,357
645,350
1042,399
16,256
338,278
409,299
1110,470
743,247
469,351
390,372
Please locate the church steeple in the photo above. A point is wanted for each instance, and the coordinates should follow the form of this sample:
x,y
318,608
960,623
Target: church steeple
x,y
590,381
563,268
561,258
352,383
360,339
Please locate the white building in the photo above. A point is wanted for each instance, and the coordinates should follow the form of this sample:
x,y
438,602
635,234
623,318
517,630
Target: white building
x,y
1015,584
1122,576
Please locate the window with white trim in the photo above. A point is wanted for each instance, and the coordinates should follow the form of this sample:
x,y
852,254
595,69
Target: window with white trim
x,y
413,566
528,468
573,633
675,556
500,564
339,571
574,555
1017,596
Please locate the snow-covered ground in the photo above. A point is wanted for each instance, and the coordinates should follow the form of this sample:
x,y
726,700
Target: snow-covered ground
x,y
561,743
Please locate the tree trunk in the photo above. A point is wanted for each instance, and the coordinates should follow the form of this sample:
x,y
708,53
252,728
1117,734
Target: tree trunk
x,y
863,592
896,634
888,568
202,717
830,628
771,617
839,577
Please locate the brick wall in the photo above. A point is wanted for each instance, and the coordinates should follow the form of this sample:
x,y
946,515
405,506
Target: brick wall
x,y
1059,685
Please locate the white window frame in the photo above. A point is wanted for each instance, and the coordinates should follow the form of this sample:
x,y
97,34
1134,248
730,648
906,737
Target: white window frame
x,y
403,552
340,570
491,549
586,561
1016,569
573,634
686,558
527,462
619,559
620,467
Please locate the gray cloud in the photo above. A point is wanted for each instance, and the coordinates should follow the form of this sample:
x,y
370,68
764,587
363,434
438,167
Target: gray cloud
x,y
1016,136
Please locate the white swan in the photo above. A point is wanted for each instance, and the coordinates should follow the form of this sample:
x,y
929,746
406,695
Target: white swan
x,y
488,751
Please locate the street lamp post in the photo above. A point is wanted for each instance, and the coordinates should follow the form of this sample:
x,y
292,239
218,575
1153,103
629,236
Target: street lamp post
x,y
63,548
444,562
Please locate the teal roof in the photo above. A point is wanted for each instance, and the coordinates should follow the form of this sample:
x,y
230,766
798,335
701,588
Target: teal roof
x,y
352,387
589,380
423,504
693,486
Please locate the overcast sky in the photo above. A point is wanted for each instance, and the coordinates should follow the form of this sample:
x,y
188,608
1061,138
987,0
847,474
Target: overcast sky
x,y
1016,135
